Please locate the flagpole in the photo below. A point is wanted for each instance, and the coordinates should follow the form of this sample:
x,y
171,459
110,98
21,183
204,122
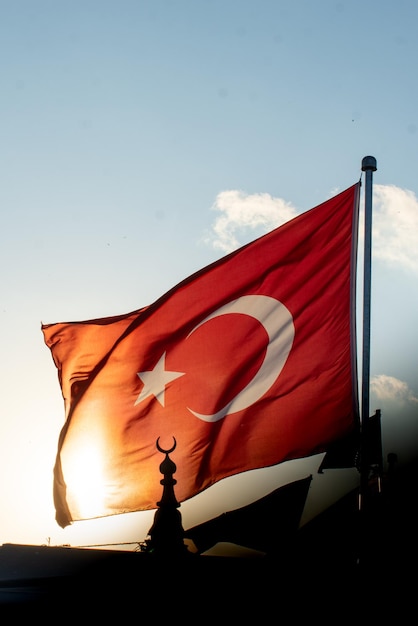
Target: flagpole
x,y
368,166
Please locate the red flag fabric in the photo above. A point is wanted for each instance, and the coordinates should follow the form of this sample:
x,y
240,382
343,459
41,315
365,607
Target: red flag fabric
x,y
247,363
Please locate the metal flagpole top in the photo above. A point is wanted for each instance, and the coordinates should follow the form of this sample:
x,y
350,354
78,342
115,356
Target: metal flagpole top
x,y
369,163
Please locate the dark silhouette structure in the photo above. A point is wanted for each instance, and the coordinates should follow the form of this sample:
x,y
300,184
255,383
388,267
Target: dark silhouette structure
x,y
269,525
167,533
320,576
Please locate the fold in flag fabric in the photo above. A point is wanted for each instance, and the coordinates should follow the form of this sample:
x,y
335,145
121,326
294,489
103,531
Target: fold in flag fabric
x,y
247,363
268,524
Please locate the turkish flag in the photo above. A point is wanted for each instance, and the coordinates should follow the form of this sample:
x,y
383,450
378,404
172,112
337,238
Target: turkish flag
x,y
247,363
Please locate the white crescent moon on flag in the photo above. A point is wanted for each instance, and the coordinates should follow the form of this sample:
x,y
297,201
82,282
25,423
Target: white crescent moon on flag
x,y
278,324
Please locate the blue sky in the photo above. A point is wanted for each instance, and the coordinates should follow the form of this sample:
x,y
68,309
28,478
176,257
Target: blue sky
x,y
137,137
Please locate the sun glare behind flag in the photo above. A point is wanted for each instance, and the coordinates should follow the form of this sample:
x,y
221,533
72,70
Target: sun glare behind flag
x,y
247,363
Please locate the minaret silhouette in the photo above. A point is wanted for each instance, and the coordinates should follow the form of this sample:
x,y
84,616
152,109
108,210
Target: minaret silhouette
x,y
167,533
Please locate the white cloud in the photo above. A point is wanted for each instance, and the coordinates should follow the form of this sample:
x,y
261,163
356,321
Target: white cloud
x,y
390,389
395,226
242,217
240,213
399,406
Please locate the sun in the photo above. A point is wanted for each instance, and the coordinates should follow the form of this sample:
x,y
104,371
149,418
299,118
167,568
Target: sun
x,y
85,475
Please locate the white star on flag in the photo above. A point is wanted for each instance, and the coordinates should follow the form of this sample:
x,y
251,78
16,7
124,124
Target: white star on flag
x,y
155,381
